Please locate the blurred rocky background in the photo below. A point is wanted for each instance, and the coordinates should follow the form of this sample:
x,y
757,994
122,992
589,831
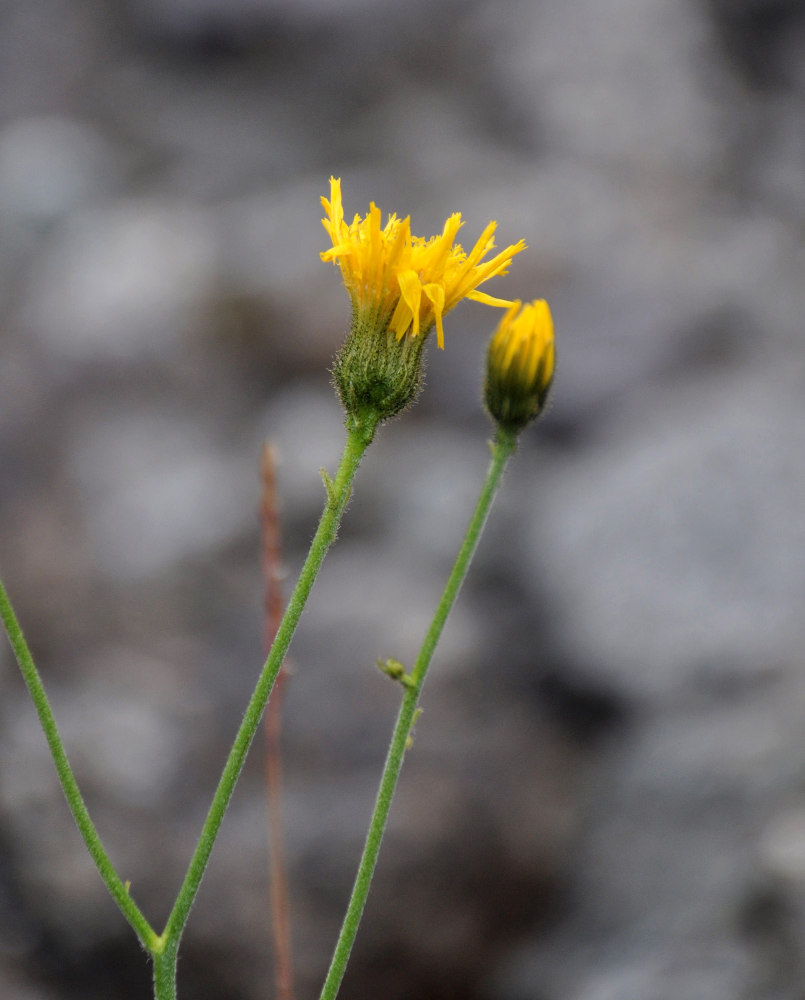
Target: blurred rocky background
x,y
606,797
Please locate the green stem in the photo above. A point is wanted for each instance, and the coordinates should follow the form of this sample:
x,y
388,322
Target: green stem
x,y
502,449
165,972
119,892
164,947
338,492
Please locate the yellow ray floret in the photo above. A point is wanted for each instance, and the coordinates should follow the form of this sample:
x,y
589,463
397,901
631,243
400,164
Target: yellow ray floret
x,y
405,281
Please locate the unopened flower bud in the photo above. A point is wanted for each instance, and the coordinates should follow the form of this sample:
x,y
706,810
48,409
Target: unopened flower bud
x,y
520,363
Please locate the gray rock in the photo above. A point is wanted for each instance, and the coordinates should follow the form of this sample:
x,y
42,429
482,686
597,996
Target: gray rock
x,y
673,549
53,165
123,283
155,491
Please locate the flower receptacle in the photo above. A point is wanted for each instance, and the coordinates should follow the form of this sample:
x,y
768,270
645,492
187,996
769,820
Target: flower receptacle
x,y
376,374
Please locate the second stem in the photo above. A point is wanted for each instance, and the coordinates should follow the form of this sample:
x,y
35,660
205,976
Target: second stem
x,y
502,448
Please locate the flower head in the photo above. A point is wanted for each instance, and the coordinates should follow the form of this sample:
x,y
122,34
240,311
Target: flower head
x,y
520,364
408,283
401,287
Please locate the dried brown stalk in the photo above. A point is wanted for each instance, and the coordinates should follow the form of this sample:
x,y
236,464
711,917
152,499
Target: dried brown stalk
x,y
274,608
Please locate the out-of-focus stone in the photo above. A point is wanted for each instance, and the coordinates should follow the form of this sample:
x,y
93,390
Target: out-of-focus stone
x,y
782,847
674,549
601,89
156,490
123,284
53,165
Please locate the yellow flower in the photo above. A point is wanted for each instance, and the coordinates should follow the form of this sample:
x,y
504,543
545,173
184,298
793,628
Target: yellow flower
x,y
520,364
408,283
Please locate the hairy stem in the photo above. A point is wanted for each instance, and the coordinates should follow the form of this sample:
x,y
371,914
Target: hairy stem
x,y
338,492
164,947
502,448
118,890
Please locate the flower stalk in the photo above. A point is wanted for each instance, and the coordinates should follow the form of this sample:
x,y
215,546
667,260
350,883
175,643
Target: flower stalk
x,y
338,493
164,947
519,373
502,448
117,889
